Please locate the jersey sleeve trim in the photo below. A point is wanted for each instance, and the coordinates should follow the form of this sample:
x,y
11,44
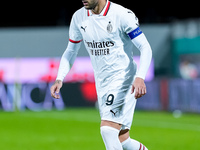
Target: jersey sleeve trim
x,y
133,34
74,41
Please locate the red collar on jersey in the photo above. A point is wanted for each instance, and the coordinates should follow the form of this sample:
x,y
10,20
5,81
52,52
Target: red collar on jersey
x,y
105,12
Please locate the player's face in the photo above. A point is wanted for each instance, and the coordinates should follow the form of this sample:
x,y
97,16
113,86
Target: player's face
x,y
90,4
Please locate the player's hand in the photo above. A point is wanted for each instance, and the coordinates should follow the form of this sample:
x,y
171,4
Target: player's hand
x,y
55,89
138,87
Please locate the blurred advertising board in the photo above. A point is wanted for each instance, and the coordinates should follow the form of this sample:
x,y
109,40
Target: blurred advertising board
x,y
35,70
37,97
168,95
25,83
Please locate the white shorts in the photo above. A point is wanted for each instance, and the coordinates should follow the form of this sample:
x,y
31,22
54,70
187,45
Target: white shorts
x,y
118,106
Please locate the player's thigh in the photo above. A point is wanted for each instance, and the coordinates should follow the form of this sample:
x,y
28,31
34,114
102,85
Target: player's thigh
x,y
111,124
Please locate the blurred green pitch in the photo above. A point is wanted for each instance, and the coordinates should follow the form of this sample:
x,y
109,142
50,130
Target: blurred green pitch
x,y
78,129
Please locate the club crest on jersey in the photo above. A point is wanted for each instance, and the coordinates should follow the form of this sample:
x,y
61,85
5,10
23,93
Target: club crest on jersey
x,y
109,27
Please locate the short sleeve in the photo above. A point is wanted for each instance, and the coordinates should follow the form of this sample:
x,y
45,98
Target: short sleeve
x,y
74,32
130,24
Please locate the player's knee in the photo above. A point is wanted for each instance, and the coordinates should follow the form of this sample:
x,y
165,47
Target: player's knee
x,y
107,131
123,135
110,138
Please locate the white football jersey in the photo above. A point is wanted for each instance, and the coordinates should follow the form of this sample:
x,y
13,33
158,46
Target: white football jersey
x,y
107,38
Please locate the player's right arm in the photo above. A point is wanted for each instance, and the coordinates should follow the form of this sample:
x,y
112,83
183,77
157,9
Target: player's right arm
x,y
66,63
68,56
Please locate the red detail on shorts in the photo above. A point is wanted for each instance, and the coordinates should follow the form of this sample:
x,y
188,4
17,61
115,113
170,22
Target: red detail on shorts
x,y
74,41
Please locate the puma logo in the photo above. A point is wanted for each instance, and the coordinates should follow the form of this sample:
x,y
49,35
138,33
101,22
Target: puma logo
x,y
113,112
83,28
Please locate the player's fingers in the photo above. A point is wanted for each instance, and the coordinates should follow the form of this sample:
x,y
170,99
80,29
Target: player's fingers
x,y
133,89
57,90
140,92
136,93
54,95
144,91
57,96
52,89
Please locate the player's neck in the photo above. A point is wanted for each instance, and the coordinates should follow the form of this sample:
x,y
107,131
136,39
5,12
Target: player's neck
x,y
99,7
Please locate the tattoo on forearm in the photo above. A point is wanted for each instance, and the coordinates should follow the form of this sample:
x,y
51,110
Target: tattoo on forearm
x,y
58,81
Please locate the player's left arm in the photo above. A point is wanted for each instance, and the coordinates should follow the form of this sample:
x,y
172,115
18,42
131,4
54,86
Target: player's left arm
x,y
145,59
130,25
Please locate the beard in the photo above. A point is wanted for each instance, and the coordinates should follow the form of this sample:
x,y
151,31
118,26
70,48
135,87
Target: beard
x,y
91,5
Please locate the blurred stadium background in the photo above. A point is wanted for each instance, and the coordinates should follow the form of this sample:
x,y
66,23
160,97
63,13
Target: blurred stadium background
x,y
33,37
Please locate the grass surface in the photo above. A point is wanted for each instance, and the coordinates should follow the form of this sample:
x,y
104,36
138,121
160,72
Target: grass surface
x,y
78,129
